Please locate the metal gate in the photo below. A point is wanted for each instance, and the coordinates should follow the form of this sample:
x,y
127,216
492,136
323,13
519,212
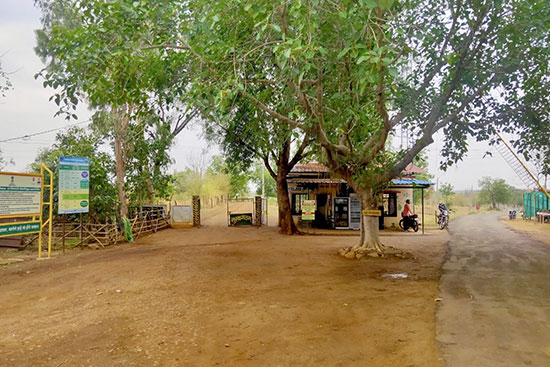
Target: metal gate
x,y
247,211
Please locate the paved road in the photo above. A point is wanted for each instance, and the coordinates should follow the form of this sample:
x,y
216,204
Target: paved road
x,y
496,297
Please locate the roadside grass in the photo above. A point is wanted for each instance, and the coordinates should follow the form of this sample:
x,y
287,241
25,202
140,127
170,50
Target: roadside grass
x,y
535,230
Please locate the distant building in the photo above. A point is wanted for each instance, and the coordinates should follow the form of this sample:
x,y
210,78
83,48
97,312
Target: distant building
x,y
337,206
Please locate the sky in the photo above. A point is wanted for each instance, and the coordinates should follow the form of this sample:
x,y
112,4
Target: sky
x,y
27,110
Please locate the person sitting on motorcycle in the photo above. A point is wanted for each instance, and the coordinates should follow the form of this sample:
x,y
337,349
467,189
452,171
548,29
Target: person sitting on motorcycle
x,y
407,215
443,211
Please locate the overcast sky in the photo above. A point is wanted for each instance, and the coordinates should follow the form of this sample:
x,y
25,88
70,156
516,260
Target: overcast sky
x,y
26,110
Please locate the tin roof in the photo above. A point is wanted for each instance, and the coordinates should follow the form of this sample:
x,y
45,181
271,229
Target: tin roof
x,y
320,167
411,168
309,167
317,180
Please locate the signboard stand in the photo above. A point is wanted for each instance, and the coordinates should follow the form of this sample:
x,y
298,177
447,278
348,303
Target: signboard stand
x,y
49,204
63,241
81,231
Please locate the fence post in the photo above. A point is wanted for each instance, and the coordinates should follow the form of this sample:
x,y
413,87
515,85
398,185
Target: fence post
x,y
196,211
258,211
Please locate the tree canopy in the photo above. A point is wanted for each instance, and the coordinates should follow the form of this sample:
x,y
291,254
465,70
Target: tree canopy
x,y
351,73
345,73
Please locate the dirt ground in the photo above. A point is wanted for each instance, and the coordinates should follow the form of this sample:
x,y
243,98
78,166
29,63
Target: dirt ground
x,y
537,231
219,296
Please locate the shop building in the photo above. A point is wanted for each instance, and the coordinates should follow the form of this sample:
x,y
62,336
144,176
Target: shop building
x,y
338,207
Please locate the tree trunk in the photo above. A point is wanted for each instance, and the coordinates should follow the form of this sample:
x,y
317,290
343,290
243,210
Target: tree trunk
x,y
120,173
283,201
150,191
370,234
369,244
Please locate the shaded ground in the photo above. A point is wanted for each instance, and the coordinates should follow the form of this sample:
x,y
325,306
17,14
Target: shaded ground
x,y
496,296
223,296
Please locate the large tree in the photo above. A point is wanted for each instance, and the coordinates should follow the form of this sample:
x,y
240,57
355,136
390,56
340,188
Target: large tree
x,y
93,53
247,136
350,73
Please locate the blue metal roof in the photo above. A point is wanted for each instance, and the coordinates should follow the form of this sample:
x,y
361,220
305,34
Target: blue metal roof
x,y
411,182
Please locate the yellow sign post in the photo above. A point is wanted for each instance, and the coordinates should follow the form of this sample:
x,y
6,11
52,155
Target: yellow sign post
x,y
48,203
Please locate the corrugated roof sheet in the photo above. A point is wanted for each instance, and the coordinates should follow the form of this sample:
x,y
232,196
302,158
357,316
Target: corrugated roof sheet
x,y
317,180
309,167
411,168
320,167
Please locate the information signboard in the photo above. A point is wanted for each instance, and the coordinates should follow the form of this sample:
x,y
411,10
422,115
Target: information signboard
x,y
308,210
16,229
242,219
74,185
20,194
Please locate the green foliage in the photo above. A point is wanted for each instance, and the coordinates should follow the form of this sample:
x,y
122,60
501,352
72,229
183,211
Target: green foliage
x,y
496,191
350,73
93,51
238,175
447,191
270,186
208,184
148,160
76,142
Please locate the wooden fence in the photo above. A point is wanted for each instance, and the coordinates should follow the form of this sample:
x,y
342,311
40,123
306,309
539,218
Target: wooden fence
x,y
104,234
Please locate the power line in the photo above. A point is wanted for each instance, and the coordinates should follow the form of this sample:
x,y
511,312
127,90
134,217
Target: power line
x,y
44,132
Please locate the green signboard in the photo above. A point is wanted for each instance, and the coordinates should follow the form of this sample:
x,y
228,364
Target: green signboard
x,y
242,219
308,210
74,185
14,229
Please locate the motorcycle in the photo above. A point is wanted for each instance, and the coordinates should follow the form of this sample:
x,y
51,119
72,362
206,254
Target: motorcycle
x,y
413,222
443,219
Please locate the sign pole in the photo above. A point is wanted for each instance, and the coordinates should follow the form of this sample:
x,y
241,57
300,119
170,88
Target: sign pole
x,y
63,234
81,230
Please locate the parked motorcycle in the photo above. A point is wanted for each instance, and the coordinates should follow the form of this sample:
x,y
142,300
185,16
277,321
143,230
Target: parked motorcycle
x,y
413,222
443,219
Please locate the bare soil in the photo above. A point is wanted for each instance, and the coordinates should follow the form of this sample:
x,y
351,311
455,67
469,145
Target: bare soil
x,y
219,296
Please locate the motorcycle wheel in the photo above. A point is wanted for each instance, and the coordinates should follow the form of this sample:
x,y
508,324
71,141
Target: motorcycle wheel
x,y
401,224
415,227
